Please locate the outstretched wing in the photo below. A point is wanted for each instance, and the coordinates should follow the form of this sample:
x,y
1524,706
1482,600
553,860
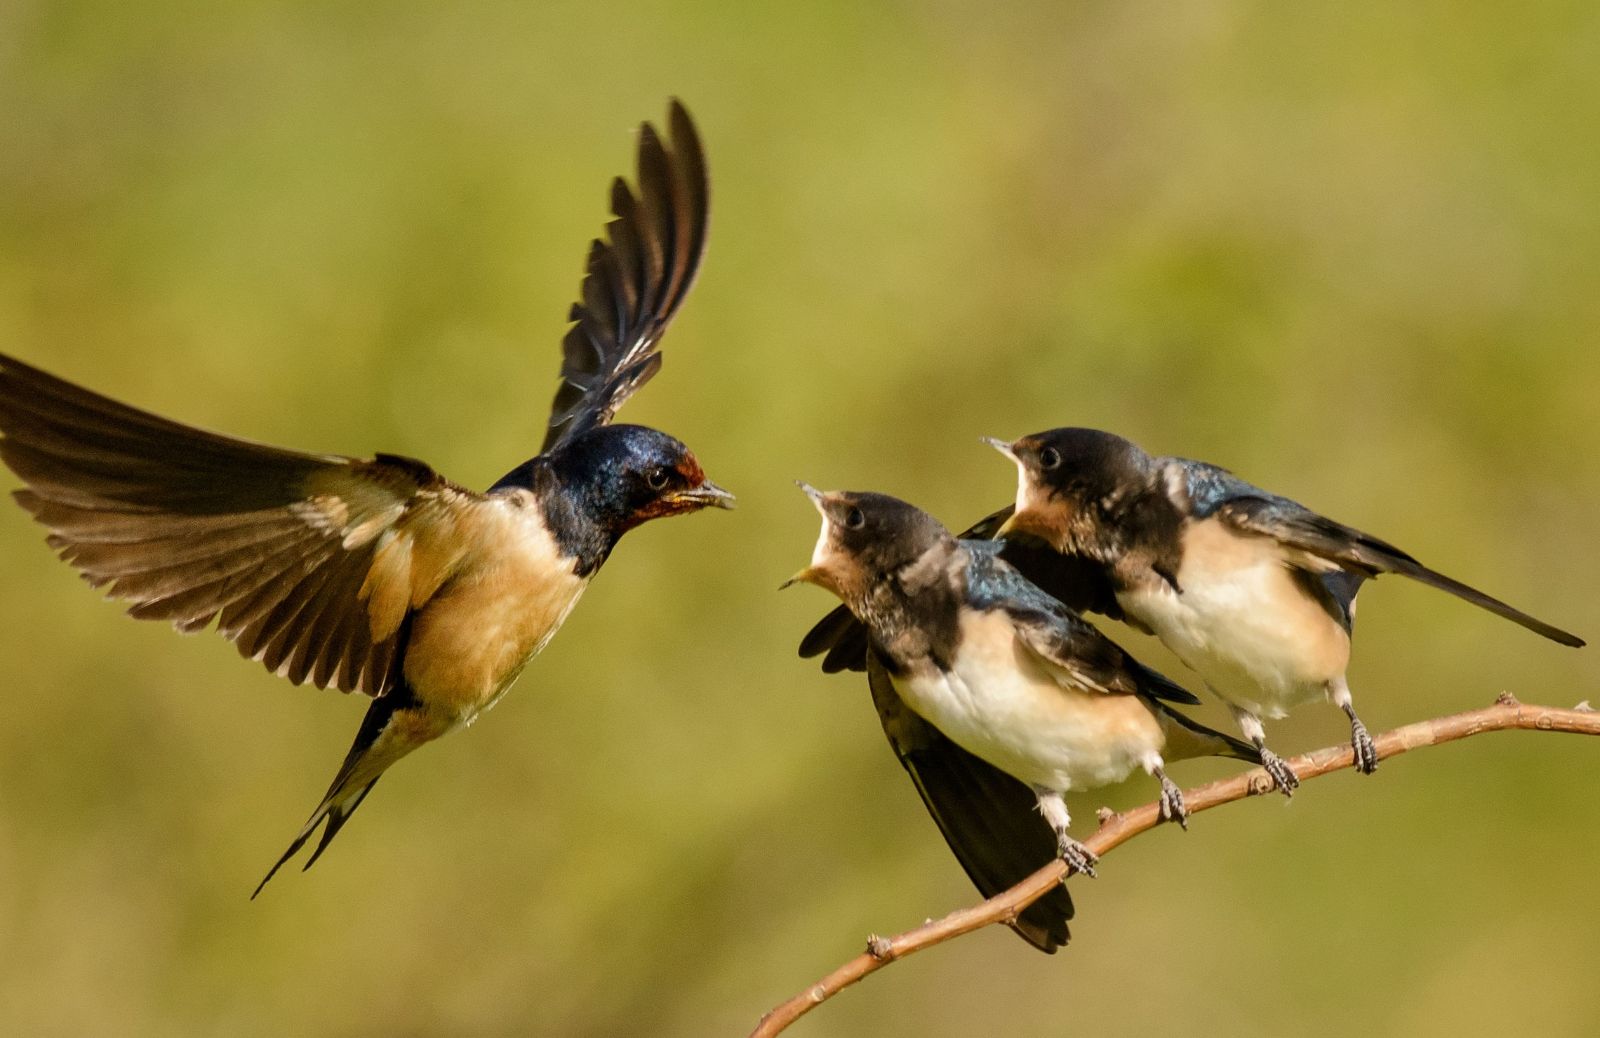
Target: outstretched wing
x,y
989,819
1324,545
636,279
311,564
1076,582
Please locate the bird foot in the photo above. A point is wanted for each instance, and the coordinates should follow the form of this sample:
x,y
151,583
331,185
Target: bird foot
x,y
1171,804
1366,753
1283,776
1078,857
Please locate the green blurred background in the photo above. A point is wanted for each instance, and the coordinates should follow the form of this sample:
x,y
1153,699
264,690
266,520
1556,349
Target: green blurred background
x,y
1349,251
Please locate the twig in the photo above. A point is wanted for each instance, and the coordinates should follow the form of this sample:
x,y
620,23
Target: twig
x,y
1116,829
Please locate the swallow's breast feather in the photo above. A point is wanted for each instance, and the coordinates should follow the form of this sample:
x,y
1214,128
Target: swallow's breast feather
x,y
511,593
1242,622
1004,704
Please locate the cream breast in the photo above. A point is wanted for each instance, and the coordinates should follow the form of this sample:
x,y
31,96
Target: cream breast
x,y
1027,717
472,639
1242,621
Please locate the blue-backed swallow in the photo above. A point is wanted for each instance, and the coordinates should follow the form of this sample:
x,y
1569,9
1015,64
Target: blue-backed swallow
x,y
1254,592
1001,669
989,819
382,576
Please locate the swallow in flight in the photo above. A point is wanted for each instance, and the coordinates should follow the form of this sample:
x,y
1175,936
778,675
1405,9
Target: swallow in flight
x,y
1254,592
382,576
998,666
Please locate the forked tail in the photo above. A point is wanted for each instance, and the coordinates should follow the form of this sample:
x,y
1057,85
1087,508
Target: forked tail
x,y
377,745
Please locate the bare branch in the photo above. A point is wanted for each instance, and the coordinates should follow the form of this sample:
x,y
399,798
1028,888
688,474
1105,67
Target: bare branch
x,y
1116,829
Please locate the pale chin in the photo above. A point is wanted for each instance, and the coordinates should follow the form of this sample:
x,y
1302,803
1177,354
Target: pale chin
x,y
819,554
1026,493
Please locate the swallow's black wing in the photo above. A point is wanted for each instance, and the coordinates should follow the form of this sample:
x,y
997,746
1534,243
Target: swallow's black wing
x,y
635,280
1058,636
309,563
1328,544
989,819
1076,582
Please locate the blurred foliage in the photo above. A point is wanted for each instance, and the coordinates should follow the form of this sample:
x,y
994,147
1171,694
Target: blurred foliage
x,y
1349,250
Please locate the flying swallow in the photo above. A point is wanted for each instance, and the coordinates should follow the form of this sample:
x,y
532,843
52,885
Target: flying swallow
x,y
1254,592
382,576
1002,670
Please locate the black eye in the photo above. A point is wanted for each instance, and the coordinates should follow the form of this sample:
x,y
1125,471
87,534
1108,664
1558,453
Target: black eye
x,y
1049,458
657,478
854,519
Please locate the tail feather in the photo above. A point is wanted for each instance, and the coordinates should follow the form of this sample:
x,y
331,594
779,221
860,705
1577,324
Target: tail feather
x,y
370,754
1198,740
1157,685
1417,571
337,816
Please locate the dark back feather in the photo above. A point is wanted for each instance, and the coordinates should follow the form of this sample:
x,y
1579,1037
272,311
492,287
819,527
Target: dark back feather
x,y
1077,583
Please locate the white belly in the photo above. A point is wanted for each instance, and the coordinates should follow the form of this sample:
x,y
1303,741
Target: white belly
x,y
1002,704
1243,623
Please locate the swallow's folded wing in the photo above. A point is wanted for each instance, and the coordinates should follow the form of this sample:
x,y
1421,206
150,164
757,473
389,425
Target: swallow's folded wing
x,y
989,819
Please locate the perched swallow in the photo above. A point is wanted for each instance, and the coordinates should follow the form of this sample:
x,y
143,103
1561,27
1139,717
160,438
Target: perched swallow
x,y
382,576
989,819
1001,669
1253,591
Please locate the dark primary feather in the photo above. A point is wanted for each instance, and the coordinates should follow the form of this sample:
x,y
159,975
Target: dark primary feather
x,y
989,819
1076,582
1250,509
636,279
190,527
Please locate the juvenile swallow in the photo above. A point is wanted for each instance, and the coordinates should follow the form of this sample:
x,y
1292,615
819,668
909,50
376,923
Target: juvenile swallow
x,y
989,819
1254,592
999,667
382,576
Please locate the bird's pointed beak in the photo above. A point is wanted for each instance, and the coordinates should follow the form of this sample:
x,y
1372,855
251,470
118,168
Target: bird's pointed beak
x,y
805,576
1025,523
817,497
706,495
1000,445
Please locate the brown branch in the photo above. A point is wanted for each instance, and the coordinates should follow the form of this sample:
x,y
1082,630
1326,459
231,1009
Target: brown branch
x,y
1117,829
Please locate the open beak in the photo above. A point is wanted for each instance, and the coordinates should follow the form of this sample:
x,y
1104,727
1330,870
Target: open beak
x,y
809,574
706,495
1017,522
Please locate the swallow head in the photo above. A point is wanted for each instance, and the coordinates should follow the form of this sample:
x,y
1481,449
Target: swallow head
x,y
865,537
621,476
1068,483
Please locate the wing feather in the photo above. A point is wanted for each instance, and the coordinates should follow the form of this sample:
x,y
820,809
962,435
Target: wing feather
x,y
635,280
1325,545
1076,582
290,554
989,819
